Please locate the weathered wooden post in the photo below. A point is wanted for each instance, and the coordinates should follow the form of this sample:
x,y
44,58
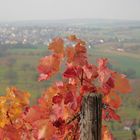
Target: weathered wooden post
x,y
91,117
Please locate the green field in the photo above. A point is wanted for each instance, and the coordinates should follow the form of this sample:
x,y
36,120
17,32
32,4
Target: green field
x,y
19,68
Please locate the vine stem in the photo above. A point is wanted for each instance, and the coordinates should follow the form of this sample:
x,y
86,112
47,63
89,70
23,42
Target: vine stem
x,y
74,118
9,117
82,77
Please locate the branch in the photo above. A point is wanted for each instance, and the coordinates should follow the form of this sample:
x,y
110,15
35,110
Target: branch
x,y
74,118
82,77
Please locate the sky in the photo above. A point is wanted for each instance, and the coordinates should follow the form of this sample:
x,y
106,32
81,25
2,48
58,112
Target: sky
x,y
11,10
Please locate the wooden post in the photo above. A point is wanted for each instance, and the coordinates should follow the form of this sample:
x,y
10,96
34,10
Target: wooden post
x,y
91,117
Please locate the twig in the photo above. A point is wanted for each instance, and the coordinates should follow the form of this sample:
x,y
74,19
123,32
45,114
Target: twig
x,y
74,117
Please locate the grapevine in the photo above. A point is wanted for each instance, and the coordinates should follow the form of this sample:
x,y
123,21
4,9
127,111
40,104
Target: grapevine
x,y
56,116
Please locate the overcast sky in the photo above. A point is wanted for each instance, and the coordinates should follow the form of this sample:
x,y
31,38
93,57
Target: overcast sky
x,y
67,9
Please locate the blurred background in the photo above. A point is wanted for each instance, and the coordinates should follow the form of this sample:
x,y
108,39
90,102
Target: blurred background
x,y
110,28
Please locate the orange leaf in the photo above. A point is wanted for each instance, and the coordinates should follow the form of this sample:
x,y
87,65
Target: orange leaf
x,y
70,54
113,100
106,135
47,98
46,129
57,45
121,83
72,38
75,39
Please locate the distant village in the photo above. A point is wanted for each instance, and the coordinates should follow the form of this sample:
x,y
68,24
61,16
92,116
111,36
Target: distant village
x,y
42,35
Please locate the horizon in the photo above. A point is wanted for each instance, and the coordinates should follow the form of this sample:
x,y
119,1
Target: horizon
x,y
72,19
18,10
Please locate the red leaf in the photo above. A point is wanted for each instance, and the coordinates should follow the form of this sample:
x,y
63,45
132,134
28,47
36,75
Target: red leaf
x,y
109,113
90,71
87,89
80,48
59,122
71,72
56,112
69,97
113,115
80,55
77,55
105,89
110,82
57,99
9,133
102,63
103,71
48,66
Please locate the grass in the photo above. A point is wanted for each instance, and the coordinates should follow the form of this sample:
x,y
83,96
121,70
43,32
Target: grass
x,y
124,134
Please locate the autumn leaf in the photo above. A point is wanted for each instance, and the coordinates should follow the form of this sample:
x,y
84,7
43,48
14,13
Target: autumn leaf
x,y
75,39
22,96
110,82
90,71
12,105
59,122
121,83
72,72
109,114
46,130
47,97
106,135
35,113
72,38
70,53
103,71
113,99
80,48
85,89
57,99
69,98
57,45
48,66
77,55
10,133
